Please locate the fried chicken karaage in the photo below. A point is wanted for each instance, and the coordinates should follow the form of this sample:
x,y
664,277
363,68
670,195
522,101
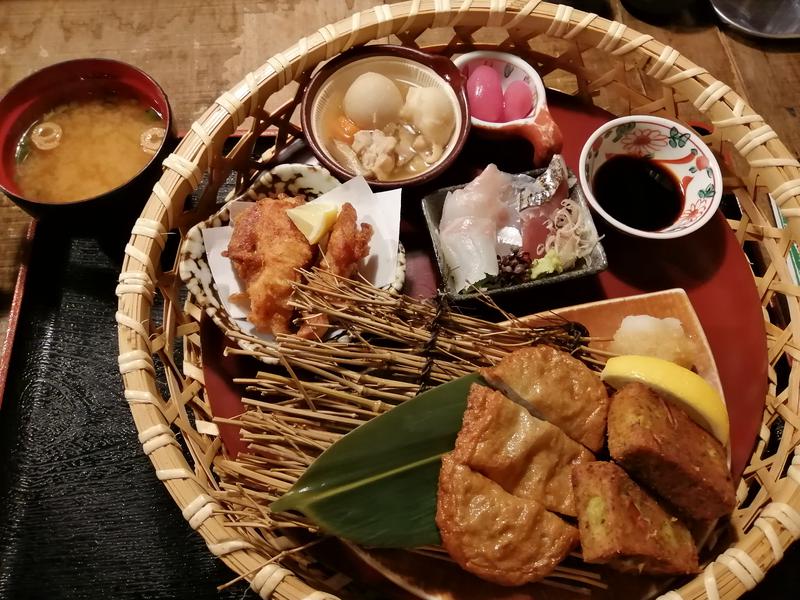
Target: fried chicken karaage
x,y
266,250
347,245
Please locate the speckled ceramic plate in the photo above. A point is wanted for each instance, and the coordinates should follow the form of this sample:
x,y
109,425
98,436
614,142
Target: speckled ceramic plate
x,y
309,180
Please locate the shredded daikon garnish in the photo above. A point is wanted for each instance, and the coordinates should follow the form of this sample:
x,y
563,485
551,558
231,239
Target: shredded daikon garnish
x,y
571,234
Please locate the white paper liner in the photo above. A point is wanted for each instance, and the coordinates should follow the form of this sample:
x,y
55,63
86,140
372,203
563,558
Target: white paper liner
x,y
380,210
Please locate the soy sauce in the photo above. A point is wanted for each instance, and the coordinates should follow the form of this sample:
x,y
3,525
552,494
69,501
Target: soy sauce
x,y
638,192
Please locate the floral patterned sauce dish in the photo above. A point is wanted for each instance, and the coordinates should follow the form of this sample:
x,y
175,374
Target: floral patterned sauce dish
x,y
536,124
669,146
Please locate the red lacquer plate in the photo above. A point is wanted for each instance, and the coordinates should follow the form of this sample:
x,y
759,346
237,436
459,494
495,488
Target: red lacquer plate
x,y
720,305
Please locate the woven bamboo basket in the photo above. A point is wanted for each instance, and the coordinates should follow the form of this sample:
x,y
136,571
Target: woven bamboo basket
x,y
601,62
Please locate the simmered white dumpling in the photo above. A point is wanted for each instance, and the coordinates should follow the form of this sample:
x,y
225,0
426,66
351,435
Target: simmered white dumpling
x,y
430,111
372,101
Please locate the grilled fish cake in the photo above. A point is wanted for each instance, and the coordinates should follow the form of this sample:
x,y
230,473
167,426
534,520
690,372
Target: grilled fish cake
x,y
557,387
665,450
621,525
528,457
494,535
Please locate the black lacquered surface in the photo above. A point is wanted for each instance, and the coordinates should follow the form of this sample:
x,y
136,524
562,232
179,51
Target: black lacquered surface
x,y
82,514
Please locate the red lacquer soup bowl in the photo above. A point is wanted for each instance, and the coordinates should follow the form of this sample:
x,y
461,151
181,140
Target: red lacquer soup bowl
x,y
73,81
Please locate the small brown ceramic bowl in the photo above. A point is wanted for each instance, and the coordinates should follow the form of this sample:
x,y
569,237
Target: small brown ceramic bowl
x,y
323,97
92,78
538,127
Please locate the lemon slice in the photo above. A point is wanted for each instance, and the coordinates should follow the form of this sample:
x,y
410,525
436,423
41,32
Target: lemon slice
x,y
678,384
314,219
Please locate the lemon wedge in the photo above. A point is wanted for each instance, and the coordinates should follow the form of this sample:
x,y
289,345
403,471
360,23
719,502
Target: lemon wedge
x,y
678,384
314,219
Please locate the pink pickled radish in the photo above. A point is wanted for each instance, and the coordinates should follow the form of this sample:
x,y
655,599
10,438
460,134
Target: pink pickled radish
x,y
485,94
517,101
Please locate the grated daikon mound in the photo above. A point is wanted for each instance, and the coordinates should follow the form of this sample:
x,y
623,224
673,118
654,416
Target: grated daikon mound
x,y
645,335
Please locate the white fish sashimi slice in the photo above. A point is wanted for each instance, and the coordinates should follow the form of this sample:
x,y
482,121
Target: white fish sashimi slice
x,y
484,197
509,238
469,247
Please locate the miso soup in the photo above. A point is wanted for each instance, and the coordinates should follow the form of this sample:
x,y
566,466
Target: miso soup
x,y
85,148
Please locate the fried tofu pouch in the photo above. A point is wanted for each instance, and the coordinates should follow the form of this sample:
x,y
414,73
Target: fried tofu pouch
x,y
527,457
666,451
556,387
494,535
624,527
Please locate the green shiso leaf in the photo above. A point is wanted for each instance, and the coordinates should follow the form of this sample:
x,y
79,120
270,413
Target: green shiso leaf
x,y
377,485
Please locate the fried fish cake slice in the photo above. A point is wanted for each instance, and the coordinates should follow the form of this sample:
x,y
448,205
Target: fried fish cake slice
x,y
528,457
557,387
665,450
494,535
620,524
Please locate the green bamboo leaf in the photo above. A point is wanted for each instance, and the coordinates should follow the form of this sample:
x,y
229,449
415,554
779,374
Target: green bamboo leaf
x,y
377,485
